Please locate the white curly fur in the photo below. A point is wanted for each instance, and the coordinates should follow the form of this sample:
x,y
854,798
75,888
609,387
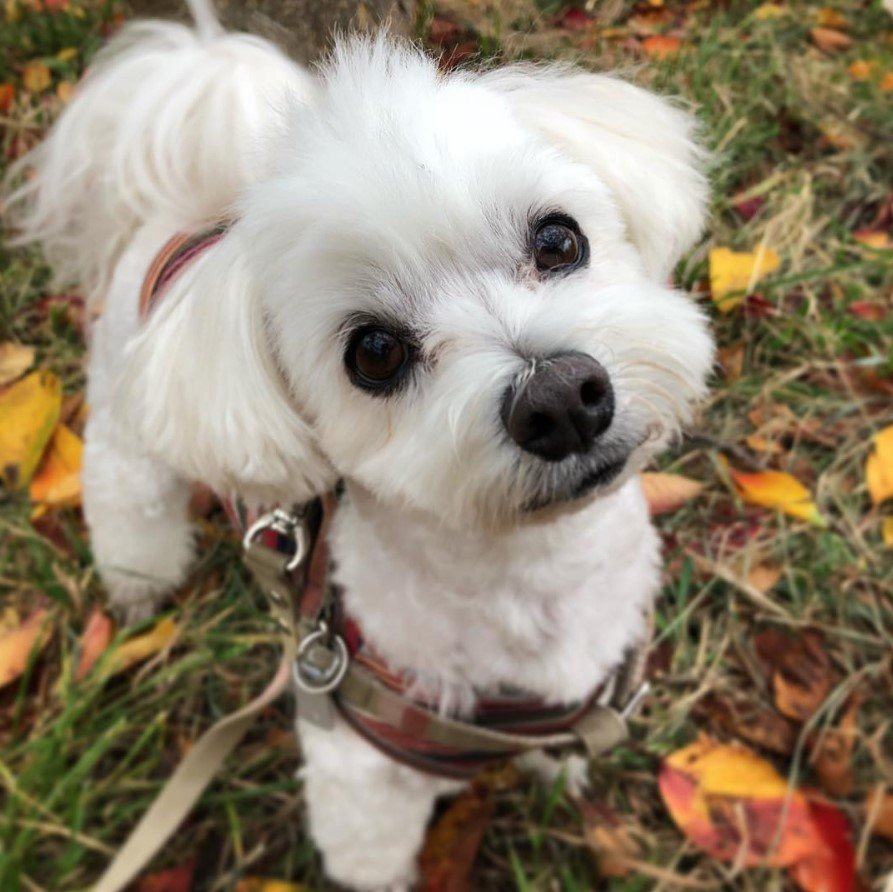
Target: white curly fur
x,y
379,188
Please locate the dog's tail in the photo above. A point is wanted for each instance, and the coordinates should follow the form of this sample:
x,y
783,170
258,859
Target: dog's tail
x,y
169,122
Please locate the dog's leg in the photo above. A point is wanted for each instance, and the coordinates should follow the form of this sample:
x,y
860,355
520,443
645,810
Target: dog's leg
x,y
367,812
547,769
136,510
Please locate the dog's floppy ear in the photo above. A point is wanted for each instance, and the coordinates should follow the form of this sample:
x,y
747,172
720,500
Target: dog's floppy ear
x,y
640,145
201,390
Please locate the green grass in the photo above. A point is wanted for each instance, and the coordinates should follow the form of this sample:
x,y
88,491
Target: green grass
x,y
80,762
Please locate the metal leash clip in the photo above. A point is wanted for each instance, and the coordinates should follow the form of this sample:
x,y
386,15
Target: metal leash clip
x,y
288,525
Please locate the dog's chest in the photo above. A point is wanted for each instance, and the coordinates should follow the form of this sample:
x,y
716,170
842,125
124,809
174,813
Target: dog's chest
x,y
550,610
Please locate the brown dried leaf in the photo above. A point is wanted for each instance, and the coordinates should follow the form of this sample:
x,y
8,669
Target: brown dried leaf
x,y
830,41
763,577
832,753
802,676
609,840
739,717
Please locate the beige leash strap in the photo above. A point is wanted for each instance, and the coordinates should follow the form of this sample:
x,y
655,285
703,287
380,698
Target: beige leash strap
x,y
185,785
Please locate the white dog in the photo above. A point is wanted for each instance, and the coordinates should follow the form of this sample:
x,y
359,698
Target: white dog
x,y
448,291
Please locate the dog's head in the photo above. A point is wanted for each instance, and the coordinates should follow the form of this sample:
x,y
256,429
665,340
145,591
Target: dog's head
x,y
455,288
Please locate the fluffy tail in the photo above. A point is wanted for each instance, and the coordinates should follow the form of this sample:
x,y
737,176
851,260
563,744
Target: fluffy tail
x,y
169,120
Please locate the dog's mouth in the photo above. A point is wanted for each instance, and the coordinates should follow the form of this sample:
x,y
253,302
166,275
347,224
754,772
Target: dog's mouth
x,y
580,486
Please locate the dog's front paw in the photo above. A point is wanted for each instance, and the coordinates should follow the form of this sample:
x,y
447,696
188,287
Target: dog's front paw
x,y
547,770
133,604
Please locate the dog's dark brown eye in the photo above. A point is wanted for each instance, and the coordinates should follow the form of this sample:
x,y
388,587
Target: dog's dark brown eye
x,y
558,245
376,357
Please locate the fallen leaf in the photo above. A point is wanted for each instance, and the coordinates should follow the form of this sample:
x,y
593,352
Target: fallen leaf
x,y
18,645
763,577
67,54
174,879
887,532
7,95
265,884
575,19
748,208
831,18
57,482
614,848
731,358
65,90
661,46
860,70
768,11
800,670
96,637
879,466
29,410
879,809
760,444
733,273
886,83
878,239
36,77
735,806
140,648
830,41
738,716
667,492
776,489
15,360
452,843
832,752
866,310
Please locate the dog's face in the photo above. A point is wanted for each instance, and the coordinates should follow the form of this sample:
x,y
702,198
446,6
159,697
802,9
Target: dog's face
x,y
458,305
462,281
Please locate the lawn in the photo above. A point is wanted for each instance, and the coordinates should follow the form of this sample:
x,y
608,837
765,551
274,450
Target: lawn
x,y
773,630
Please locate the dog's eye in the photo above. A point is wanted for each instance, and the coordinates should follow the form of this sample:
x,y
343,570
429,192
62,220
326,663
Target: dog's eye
x,y
558,245
376,358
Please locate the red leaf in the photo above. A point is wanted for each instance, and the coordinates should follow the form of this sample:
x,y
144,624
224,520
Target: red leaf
x,y
575,19
866,310
750,207
175,879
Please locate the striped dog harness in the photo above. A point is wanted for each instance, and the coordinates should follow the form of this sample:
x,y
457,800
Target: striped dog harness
x,y
336,671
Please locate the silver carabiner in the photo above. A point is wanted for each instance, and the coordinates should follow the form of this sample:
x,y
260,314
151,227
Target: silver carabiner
x,y
284,524
313,678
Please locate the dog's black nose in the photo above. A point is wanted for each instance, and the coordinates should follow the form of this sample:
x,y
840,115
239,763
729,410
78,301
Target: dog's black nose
x,y
561,408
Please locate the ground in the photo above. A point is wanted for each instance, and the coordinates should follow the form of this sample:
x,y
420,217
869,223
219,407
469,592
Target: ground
x,y
801,129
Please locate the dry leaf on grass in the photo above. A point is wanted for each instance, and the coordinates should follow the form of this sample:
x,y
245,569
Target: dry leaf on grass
x,y
614,848
769,11
741,717
832,752
733,273
661,46
7,95
29,410
776,489
15,360
829,40
95,639
174,879
265,884
140,648
452,843
860,70
731,358
828,17
667,492
736,807
879,466
800,670
764,577
887,531
36,77
20,644
57,483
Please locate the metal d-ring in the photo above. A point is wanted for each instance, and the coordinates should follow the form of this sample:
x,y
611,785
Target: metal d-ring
x,y
284,524
336,675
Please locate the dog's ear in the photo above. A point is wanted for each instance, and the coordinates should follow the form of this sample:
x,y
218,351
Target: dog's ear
x,y
640,145
201,390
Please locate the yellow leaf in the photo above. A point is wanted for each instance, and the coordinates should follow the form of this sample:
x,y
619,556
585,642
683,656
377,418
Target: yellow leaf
x,y
879,466
887,532
873,238
768,11
764,577
732,274
831,18
135,650
667,492
263,884
36,77
29,410
57,483
18,645
775,489
65,90
15,359
860,70
67,54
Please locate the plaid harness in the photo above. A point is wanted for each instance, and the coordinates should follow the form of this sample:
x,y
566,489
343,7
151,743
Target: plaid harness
x,y
289,558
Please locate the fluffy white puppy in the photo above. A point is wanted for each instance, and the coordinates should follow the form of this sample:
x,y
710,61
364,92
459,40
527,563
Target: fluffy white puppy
x,y
448,290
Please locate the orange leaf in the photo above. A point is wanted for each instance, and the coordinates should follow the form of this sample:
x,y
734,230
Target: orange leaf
x,y
731,358
36,77
860,70
452,843
15,360
58,481
735,806
18,645
763,577
877,239
733,273
830,41
7,95
609,840
175,879
775,489
65,90
661,46
831,18
95,639
265,884
879,466
29,410
667,492
887,532
886,83
879,808
135,650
